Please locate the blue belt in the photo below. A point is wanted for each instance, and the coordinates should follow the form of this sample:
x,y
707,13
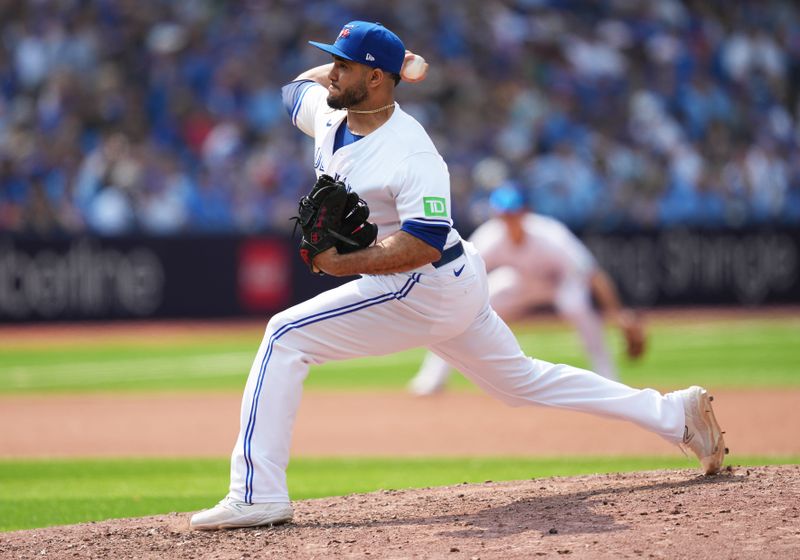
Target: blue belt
x,y
449,255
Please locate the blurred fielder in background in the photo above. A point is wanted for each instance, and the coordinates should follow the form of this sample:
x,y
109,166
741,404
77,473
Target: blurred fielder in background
x,y
535,260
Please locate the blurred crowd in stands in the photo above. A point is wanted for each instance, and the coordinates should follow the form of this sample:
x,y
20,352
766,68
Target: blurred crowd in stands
x,y
165,117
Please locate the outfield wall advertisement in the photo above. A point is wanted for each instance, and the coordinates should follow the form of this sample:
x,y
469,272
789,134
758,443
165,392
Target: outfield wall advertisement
x,y
685,267
91,278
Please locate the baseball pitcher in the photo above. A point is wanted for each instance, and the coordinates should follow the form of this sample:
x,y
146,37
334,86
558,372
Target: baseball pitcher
x,y
420,284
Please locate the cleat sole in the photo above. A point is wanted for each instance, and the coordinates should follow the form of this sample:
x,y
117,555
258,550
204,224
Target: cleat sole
x,y
714,463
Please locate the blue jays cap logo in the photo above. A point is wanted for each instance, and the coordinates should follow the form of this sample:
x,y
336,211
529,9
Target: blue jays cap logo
x,y
367,43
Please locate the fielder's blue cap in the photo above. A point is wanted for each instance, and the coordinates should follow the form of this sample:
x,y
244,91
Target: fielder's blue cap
x,y
507,199
367,43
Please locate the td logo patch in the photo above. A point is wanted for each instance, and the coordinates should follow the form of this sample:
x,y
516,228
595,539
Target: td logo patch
x,y
434,206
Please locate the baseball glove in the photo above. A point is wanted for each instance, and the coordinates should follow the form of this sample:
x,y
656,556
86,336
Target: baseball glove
x,y
356,232
635,337
330,216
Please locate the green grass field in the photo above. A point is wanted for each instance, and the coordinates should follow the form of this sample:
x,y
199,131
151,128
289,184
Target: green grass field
x,y
734,353
45,493
743,353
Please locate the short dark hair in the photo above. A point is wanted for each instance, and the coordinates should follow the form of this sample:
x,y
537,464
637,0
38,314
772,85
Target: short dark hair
x,y
395,77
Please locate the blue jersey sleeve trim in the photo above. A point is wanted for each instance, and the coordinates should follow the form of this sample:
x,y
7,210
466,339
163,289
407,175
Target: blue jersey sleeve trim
x,y
444,222
292,94
433,235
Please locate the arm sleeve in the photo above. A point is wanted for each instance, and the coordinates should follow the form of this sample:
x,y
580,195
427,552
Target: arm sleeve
x,y
421,187
303,100
433,235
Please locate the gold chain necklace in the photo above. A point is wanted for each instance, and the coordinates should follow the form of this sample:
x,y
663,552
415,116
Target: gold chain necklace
x,y
371,111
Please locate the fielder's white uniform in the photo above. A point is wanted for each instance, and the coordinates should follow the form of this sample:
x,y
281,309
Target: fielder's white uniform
x,y
398,171
549,266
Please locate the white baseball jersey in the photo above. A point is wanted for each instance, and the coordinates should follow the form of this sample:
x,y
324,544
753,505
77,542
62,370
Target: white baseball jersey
x,y
397,170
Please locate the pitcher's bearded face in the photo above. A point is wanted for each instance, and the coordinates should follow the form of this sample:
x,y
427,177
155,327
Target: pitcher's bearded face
x,y
349,97
348,84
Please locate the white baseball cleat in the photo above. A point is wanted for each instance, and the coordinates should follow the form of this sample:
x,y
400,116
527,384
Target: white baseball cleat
x,y
425,385
231,514
702,434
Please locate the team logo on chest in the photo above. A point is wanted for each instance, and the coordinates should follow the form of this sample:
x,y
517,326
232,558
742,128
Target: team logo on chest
x,y
318,160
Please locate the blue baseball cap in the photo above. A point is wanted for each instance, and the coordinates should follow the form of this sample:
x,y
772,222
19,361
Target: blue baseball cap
x,y
367,43
506,199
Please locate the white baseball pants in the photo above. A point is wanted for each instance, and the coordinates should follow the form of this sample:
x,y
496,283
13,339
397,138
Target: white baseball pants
x,y
512,295
384,314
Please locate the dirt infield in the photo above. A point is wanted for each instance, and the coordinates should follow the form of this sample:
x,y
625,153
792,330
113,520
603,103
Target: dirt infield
x,y
742,513
758,422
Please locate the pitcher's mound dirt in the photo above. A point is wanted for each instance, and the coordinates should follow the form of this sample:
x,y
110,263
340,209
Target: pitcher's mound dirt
x,y
745,512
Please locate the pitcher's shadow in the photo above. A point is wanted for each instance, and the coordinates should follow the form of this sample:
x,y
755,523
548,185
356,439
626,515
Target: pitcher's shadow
x,y
572,513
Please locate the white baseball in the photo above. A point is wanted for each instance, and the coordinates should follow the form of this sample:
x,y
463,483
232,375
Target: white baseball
x,y
414,69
